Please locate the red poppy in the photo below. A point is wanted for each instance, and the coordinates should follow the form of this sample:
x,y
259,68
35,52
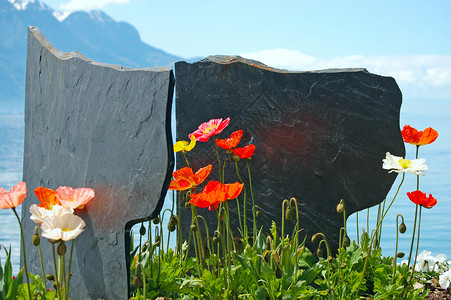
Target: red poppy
x,y
185,178
230,142
214,193
418,138
420,198
47,197
209,129
244,152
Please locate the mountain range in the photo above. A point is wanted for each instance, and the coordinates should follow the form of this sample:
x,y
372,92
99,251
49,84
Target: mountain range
x,y
94,34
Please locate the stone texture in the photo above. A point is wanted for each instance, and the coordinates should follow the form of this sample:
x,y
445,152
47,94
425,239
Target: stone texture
x,y
320,136
102,126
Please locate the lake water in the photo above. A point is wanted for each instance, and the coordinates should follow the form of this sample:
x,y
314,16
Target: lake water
x,y
419,113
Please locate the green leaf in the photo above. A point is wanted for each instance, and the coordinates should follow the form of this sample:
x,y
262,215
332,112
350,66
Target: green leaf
x,y
307,260
310,274
12,291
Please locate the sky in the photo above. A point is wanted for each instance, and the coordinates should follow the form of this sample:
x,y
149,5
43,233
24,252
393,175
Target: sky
x,y
409,40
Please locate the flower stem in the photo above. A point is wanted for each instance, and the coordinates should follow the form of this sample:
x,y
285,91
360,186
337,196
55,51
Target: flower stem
x,y
374,235
69,274
23,251
42,266
253,202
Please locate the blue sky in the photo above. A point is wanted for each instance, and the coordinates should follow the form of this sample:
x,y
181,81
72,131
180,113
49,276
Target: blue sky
x,y
409,40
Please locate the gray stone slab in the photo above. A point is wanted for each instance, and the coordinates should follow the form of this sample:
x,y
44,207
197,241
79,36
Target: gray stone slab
x,y
102,126
320,136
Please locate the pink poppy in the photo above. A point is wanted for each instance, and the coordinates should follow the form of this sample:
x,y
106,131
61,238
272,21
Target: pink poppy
x,y
209,129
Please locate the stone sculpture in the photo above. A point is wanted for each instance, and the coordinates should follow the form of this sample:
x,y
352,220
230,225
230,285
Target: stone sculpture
x,y
320,136
102,126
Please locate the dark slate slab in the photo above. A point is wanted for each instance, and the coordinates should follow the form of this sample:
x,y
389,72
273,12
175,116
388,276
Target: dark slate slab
x,y
320,136
102,126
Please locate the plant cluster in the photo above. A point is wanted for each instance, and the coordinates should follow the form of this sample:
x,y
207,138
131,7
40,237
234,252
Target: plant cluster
x,y
258,265
217,263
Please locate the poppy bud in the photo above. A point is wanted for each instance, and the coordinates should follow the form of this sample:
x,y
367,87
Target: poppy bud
x,y
400,254
137,282
340,206
55,285
187,197
236,158
174,220
215,240
187,205
268,243
193,227
402,227
315,238
50,277
156,220
36,239
258,213
157,239
289,214
279,272
319,252
343,265
171,227
206,252
36,230
61,250
144,248
142,230
346,241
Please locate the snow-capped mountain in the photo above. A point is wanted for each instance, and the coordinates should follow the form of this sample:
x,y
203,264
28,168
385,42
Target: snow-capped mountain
x,y
94,34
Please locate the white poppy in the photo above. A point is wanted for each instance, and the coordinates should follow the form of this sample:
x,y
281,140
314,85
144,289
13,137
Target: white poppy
x,y
38,214
425,261
400,165
62,227
445,279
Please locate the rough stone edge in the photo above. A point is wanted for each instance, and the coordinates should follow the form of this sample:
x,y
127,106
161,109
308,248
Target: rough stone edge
x,y
68,55
229,59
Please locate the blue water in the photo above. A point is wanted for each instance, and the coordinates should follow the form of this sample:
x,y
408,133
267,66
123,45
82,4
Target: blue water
x,y
418,113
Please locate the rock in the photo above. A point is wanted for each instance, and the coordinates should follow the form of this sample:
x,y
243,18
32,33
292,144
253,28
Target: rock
x,y
107,127
320,137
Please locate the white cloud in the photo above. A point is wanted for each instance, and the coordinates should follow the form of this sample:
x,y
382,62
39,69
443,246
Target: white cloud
x,y
417,75
73,5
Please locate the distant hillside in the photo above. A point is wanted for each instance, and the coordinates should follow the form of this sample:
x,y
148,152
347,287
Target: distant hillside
x,y
94,34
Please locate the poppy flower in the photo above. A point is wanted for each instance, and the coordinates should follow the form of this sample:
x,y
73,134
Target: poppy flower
x,y
62,227
74,198
185,178
14,197
184,145
209,129
230,142
418,138
244,152
214,193
420,198
400,165
38,214
47,197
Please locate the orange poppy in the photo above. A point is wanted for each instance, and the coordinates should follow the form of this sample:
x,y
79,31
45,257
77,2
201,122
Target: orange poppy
x,y
185,178
230,142
420,198
214,193
47,197
244,152
418,138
